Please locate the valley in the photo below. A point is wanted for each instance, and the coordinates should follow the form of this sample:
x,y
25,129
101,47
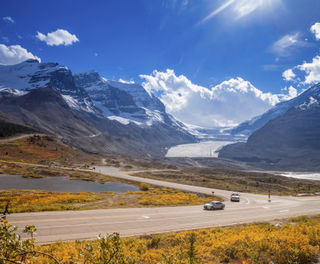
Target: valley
x,y
160,132
97,115
170,198
184,184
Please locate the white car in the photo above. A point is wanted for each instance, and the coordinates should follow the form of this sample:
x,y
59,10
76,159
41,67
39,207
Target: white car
x,y
235,197
214,206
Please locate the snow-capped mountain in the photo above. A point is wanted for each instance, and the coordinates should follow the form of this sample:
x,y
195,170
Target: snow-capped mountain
x,y
288,141
124,102
248,127
28,75
88,111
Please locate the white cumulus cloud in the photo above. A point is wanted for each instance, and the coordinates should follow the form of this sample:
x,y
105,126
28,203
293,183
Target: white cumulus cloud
x,y
58,37
14,54
315,29
311,70
292,92
308,72
288,75
227,103
8,19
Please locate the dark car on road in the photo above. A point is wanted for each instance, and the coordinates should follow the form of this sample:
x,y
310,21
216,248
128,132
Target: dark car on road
x,y
214,206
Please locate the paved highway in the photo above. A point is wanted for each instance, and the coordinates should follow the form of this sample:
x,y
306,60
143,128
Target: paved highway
x,y
71,225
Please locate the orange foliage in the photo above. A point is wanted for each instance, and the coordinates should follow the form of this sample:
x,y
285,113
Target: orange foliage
x,y
263,243
35,201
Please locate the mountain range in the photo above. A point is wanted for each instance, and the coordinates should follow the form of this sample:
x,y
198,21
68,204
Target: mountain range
x,y
88,111
103,116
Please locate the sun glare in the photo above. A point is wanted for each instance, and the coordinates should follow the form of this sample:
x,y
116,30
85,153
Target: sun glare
x,y
242,8
245,7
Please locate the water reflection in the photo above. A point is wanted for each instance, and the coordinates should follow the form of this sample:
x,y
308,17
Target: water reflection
x,y
61,184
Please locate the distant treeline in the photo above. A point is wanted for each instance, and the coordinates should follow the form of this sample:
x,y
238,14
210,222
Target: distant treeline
x,y
9,129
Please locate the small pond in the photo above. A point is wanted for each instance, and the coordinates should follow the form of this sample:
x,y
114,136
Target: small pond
x,y
61,184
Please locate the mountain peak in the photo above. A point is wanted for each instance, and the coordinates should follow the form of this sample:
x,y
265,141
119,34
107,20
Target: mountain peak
x,y
87,73
32,61
89,78
126,100
31,74
248,127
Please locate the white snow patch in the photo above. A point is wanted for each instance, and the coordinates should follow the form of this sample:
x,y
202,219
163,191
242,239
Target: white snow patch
x,y
73,103
88,107
14,92
207,149
123,121
95,135
19,76
154,116
307,105
302,175
194,130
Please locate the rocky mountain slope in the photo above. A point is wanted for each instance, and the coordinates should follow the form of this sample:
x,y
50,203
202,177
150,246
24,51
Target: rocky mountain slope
x,y
248,127
290,141
125,102
88,111
23,77
8,129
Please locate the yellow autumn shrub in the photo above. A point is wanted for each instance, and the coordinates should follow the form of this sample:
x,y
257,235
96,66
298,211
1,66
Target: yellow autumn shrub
x,y
255,243
168,197
295,242
35,201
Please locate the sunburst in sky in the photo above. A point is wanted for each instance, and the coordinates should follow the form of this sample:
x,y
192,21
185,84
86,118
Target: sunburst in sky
x,y
242,8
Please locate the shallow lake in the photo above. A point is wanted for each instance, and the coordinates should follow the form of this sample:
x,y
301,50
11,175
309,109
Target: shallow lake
x,y
61,184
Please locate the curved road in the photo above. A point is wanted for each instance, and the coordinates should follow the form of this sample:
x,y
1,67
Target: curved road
x,y
11,139
71,225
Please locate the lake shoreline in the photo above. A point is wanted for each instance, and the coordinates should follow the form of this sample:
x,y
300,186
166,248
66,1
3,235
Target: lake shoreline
x,y
61,184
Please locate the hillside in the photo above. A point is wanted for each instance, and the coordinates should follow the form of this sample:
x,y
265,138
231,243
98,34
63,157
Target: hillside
x,y
43,149
8,129
290,141
248,127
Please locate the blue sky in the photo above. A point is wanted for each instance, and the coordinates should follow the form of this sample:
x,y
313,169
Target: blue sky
x,y
206,41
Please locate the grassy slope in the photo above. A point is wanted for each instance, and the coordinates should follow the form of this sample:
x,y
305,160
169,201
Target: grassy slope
x,y
43,150
36,201
8,129
236,180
